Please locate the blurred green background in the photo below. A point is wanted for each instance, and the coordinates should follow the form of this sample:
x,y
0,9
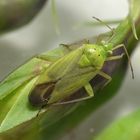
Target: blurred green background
x,y
39,35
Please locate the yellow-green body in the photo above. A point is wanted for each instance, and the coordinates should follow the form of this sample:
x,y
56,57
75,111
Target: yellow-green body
x,y
70,73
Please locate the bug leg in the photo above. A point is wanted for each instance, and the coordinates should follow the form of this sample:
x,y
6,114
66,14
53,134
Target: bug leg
x,y
106,76
73,46
83,41
39,112
58,53
89,91
114,57
126,52
67,46
41,109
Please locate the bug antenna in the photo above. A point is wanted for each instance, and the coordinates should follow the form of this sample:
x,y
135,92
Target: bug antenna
x,y
99,20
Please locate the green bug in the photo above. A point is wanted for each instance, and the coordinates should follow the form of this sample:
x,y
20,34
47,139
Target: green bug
x,y
72,72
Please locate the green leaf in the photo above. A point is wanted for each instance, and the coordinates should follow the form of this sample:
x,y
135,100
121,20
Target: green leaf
x,y
20,76
20,111
126,128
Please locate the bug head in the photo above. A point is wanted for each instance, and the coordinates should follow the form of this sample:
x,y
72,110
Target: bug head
x,y
93,55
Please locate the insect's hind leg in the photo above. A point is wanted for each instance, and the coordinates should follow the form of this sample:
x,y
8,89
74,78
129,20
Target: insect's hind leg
x,y
89,91
39,112
41,109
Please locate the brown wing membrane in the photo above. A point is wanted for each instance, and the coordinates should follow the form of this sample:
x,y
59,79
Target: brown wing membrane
x,y
41,94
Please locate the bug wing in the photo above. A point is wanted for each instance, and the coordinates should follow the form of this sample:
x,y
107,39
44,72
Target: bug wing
x,y
54,55
71,83
61,67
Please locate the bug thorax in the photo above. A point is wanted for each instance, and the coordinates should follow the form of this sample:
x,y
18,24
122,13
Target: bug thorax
x,y
93,55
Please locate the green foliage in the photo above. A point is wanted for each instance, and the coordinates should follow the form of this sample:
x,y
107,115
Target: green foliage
x,y
126,128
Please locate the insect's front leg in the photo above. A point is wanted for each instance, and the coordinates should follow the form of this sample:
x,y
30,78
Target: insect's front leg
x,y
114,57
120,56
